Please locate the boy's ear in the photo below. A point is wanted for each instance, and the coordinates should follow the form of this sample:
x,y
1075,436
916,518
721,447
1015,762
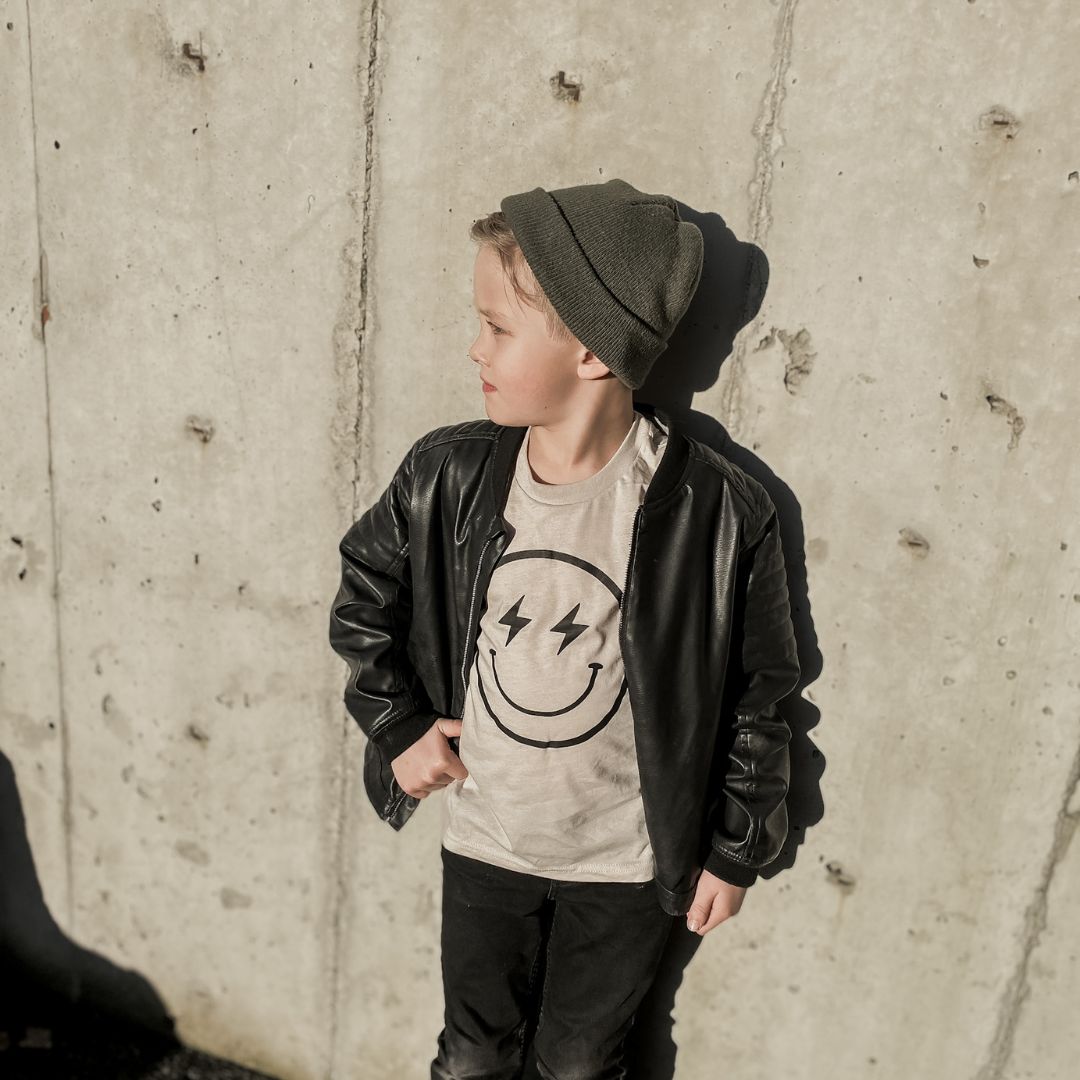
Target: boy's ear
x,y
595,367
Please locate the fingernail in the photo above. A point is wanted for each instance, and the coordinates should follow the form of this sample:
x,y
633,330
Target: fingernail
x,y
693,925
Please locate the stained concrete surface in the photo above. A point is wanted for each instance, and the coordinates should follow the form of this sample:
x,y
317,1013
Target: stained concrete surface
x,y
238,285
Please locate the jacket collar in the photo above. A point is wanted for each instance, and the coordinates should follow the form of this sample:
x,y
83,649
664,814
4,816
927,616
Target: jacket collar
x,y
668,476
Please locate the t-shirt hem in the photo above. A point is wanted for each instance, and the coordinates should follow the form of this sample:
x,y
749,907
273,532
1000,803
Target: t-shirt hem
x,y
500,857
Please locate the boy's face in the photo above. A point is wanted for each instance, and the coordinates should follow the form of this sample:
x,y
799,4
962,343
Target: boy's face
x,y
536,379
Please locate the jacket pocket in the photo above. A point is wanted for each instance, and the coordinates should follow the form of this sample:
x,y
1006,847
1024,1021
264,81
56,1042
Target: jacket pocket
x,y
390,800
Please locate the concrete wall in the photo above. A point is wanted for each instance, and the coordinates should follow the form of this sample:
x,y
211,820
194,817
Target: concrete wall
x,y
237,284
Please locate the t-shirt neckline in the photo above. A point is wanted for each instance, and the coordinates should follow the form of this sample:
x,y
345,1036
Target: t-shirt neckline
x,y
618,466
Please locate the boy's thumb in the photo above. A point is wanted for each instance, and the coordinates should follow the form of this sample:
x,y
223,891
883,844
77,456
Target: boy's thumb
x,y
449,726
695,918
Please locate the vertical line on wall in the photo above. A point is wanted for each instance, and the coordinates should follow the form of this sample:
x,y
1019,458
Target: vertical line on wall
x,y
760,192
43,305
342,862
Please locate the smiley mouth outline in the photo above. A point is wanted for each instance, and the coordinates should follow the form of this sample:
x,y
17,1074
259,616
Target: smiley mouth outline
x,y
596,668
550,744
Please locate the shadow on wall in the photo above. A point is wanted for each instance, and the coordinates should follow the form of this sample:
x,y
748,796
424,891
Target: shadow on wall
x,y
66,1011
734,279
733,283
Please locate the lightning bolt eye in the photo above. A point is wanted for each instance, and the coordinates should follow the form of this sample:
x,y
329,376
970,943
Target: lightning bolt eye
x,y
571,629
514,621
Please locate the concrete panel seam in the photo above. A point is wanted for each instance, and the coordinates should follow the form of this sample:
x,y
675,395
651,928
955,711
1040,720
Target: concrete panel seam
x,y
67,815
342,865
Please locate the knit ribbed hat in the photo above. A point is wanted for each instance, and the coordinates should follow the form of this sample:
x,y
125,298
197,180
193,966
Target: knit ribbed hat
x,y
618,265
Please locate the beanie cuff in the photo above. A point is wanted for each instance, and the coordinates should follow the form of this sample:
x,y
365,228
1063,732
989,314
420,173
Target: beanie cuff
x,y
625,344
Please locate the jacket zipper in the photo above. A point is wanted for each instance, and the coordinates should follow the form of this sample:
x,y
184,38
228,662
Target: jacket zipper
x,y
626,583
469,636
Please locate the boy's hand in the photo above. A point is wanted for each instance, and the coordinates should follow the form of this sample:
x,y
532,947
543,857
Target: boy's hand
x,y
430,763
714,901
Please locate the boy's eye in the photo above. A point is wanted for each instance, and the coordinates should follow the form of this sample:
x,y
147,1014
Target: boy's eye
x,y
496,329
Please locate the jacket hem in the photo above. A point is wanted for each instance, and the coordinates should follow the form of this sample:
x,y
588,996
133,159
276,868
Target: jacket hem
x,y
674,903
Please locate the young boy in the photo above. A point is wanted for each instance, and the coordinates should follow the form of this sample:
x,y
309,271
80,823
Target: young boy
x,y
572,618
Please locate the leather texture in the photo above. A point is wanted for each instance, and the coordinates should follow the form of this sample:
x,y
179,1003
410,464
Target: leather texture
x,y
707,641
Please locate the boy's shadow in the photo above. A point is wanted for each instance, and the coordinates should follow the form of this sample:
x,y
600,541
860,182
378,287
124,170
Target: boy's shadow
x,y
733,283
66,1011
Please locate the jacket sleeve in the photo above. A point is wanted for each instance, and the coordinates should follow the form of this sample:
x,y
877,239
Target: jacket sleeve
x,y
370,619
750,822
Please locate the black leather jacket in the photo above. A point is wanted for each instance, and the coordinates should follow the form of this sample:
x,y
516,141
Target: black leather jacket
x,y
707,643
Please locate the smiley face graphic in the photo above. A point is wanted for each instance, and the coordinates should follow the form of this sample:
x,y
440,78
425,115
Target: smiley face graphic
x,y
548,669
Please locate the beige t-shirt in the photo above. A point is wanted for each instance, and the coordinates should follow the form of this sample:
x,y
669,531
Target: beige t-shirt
x,y
547,734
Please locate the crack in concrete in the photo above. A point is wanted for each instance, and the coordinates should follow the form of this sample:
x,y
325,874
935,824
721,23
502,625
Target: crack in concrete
x,y
768,140
67,816
766,129
365,232
341,863
1018,987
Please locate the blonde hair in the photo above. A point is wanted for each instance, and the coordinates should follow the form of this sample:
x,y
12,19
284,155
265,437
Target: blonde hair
x,y
495,232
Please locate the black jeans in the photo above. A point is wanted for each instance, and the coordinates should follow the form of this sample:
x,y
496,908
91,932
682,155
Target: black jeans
x,y
599,944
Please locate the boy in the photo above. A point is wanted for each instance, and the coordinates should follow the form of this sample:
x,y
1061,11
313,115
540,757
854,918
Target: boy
x,y
571,618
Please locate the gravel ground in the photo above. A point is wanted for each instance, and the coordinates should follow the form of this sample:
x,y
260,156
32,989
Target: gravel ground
x,y
43,1037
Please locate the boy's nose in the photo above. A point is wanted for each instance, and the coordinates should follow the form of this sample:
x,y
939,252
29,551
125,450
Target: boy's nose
x,y
481,367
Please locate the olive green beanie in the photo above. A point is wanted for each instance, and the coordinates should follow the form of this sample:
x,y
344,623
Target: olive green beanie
x,y
618,265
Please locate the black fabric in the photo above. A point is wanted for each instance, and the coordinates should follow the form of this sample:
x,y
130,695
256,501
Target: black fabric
x,y
563,964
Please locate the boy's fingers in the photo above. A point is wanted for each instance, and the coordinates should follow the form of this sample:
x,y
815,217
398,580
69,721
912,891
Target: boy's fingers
x,y
713,917
705,913
696,918
456,770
